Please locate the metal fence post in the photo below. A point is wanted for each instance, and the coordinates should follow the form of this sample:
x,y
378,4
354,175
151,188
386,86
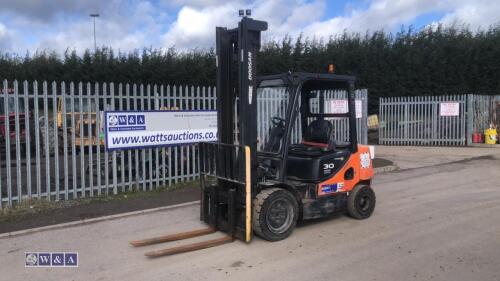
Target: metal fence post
x,y
98,138
27,138
149,150
131,178
91,140
163,150
36,119
143,151
73,138
82,144
65,139
364,122
7,141
113,154
56,138
106,153
170,155
157,150
18,141
470,118
46,137
176,149
122,153
136,151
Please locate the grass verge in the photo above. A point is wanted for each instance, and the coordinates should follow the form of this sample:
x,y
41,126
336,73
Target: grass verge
x,y
28,208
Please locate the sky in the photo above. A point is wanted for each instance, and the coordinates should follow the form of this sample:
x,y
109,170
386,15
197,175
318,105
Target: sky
x,y
125,25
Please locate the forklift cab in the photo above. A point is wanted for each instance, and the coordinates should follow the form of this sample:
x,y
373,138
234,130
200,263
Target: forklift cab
x,y
300,141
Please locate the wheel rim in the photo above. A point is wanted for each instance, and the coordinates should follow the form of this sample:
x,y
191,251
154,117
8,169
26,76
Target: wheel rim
x,y
279,216
364,203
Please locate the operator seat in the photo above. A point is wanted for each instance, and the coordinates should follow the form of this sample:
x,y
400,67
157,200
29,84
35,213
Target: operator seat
x,y
318,139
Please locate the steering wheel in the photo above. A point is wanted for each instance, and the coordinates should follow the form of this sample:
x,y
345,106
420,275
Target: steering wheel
x,y
278,121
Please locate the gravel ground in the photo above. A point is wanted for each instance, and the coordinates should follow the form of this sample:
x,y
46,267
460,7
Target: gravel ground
x,y
435,222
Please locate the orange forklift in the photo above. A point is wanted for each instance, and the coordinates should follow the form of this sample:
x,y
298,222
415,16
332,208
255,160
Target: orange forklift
x,y
259,177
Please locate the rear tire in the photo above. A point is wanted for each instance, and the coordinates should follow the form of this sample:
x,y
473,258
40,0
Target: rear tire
x,y
361,202
275,212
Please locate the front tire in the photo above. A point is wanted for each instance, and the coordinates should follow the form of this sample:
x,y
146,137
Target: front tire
x,y
275,212
361,202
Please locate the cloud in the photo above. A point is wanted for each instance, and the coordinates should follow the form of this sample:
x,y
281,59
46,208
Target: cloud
x,y
381,14
390,14
187,24
5,37
476,14
108,33
44,11
195,3
3,30
288,17
124,25
195,27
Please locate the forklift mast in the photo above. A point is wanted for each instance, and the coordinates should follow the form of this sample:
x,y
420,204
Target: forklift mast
x,y
236,49
232,160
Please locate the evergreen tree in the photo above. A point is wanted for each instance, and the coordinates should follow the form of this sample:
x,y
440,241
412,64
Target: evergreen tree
x,y
432,61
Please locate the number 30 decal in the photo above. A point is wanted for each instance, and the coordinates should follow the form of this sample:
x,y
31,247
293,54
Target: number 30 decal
x,y
328,166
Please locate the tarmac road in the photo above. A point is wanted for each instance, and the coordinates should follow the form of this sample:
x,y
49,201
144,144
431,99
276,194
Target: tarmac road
x,y
439,222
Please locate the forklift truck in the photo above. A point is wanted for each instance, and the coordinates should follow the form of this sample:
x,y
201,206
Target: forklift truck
x,y
260,180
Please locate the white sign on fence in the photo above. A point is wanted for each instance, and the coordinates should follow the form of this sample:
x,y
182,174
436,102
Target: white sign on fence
x,y
449,109
359,109
139,129
341,107
338,107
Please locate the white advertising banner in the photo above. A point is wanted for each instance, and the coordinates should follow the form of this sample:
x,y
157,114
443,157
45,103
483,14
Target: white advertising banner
x,y
140,129
341,107
449,109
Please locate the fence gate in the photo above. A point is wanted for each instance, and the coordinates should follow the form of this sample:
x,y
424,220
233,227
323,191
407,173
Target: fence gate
x,y
428,120
481,111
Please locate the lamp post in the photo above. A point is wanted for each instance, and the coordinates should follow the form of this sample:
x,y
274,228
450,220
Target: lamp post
x,y
93,17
